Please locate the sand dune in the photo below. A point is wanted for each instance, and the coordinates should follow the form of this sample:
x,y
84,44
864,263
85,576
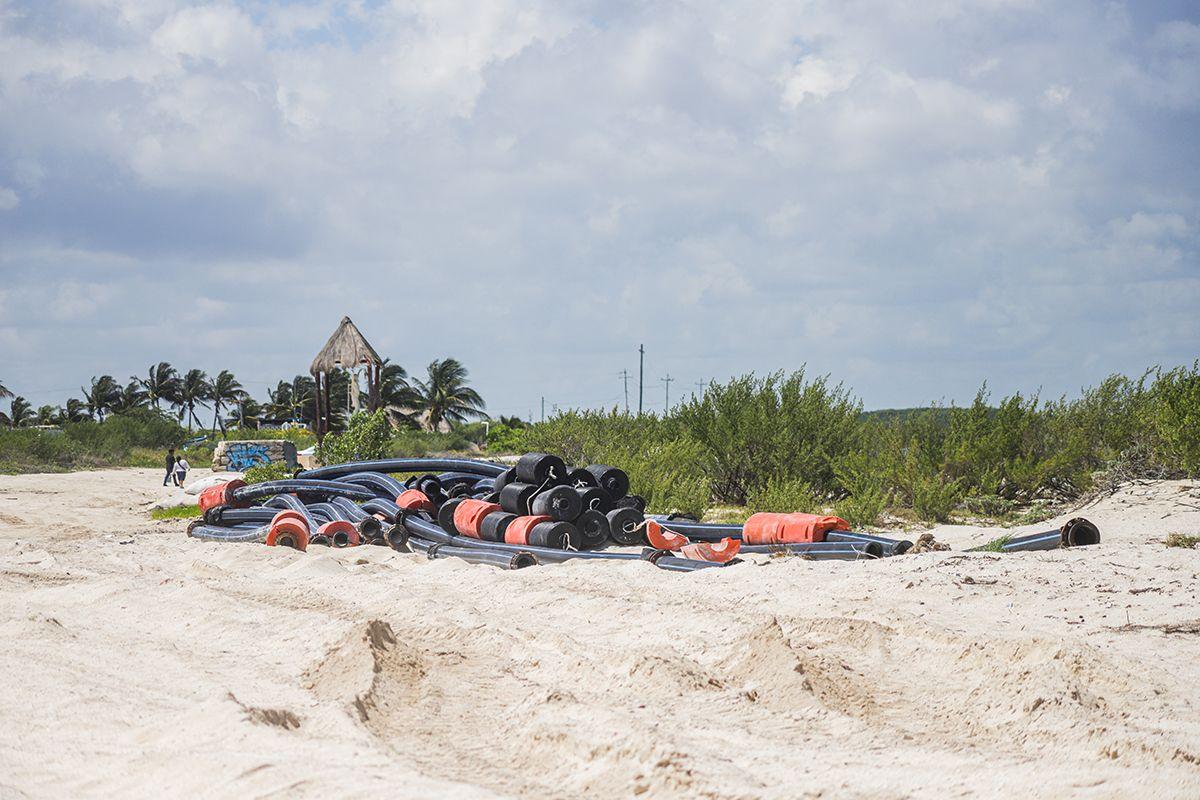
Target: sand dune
x,y
140,662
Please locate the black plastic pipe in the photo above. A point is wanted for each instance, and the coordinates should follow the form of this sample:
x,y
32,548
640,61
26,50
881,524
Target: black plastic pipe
x,y
330,511
369,526
820,551
676,564
224,516
711,532
287,501
382,485
888,547
424,529
1077,532
380,505
213,533
406,465
301,486
504,560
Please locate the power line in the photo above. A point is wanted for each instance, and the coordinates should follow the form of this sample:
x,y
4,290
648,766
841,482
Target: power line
x,y
701,385
667,380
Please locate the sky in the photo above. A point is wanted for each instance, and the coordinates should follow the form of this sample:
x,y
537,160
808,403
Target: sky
x,y
911,196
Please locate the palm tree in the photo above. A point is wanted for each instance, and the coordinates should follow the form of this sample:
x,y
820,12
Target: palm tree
x,y
21,412
75,411
303,398
4,392
193,391
224,390
49,415
279,400
247,414
101,396
161,383
128,398
397,397
445,394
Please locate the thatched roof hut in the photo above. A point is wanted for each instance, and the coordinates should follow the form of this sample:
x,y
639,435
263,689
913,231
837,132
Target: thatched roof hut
x,y
347,348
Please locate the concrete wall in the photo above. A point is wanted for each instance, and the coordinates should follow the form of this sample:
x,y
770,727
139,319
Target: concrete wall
x,y
240,455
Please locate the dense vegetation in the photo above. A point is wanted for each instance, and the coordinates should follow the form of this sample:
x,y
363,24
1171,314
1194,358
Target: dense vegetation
x,y
444,396
132,424
787,442
780,442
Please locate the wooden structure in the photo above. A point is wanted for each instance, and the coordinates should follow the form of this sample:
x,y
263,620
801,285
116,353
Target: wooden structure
x,y
346,349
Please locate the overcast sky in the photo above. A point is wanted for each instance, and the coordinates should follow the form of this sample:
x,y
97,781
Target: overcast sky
x,y
912,196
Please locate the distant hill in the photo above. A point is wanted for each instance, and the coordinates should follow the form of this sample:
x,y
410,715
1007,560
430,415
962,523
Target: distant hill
x,y
902,414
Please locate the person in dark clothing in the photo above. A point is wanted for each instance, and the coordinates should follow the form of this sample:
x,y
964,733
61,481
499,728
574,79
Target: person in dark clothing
x,y
170,465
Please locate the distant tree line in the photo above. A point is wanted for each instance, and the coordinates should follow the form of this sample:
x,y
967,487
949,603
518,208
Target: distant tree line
x,y
444,395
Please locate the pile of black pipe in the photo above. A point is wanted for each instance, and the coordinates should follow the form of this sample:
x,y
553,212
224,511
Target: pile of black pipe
x,y
567,513
539,511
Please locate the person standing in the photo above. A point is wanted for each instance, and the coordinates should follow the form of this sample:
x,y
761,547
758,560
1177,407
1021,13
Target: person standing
x,y
181,470
170,466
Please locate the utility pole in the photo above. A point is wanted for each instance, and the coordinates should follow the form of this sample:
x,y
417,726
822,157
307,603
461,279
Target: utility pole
x,y
641,373
625,377
667,382
700,385
543,408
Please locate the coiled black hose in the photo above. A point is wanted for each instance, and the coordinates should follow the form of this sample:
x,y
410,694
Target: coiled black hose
x,y
405,465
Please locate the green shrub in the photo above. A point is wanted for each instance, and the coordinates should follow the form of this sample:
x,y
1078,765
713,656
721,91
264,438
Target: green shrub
x,y
367,437
261,473
1176,419
418,443
867,494
783,495
989,505
503,439
752,429
934,498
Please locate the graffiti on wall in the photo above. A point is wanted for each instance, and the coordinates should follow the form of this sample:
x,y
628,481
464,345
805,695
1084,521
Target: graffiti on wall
x,y
243,455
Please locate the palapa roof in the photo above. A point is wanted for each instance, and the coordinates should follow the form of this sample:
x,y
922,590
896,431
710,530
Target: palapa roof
x,y
347,348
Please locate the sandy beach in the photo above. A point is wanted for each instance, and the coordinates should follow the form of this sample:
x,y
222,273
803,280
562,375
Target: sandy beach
x,y
142,663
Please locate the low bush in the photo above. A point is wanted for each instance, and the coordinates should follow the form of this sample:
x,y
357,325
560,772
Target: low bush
x,y
367,437
261,473
934,498
785,496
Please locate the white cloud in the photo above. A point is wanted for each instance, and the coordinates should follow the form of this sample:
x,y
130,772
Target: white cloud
x,y
816,78
220,33
935,183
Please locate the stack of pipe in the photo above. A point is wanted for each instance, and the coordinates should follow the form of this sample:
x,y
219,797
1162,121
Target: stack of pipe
x,y
538,511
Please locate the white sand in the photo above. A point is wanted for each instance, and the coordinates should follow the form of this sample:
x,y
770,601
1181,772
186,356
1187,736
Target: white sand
x,y
138,662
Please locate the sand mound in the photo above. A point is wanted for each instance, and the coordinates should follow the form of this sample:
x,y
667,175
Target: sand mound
x,y
149,662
